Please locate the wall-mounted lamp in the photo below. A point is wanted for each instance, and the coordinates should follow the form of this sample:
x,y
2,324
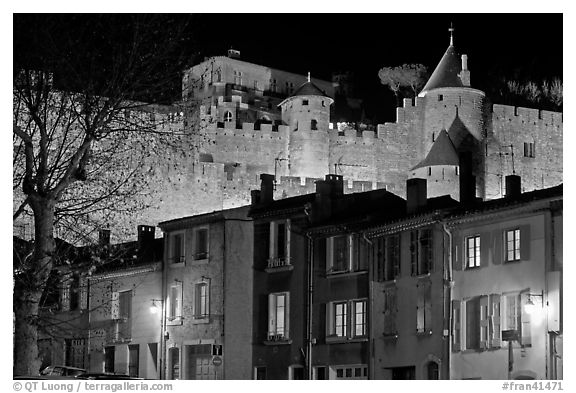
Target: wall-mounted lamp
x,y
530,307
154,309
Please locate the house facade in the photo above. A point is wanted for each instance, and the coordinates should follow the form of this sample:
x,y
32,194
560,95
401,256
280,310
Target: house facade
x,y
206,296
507,294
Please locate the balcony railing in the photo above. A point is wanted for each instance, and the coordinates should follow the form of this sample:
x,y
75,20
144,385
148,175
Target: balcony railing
x,y
274,263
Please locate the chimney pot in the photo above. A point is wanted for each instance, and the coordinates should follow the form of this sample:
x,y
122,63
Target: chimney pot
x,y
266,188
416,194
513,186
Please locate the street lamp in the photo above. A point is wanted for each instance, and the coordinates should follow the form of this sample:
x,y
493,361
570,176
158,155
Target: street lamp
x,y
154,307
530,307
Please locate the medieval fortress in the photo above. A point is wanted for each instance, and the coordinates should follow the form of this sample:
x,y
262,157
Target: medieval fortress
x,y
238,120
244,127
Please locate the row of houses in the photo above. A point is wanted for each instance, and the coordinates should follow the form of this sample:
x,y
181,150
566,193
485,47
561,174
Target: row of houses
x,y
329,285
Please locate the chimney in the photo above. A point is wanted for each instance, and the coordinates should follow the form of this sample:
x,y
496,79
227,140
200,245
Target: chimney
x,y
145,239
266,188
467,180
233,53
513,186
416,194
255,197
326,190
104,237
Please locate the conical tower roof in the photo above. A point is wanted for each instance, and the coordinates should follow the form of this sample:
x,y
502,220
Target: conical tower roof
x,y
308,89
446,73
442,152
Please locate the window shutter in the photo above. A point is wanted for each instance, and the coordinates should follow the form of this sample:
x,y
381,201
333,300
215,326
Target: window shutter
x,y
484,321
329,253
419,308
287,242
271,314
495,326
525,242
363,253
414,253
497,252
458,257
525,327
456,325
272,241
428,306
352,251
287,315
484,248
329,319
378,258
115,305
320,254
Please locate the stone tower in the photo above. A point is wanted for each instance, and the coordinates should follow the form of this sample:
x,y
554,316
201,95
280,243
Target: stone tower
x,y
307,114
450,104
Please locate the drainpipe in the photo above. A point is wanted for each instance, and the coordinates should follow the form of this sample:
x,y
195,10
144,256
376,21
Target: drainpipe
x,y
310,304
448,301
371,342
163,313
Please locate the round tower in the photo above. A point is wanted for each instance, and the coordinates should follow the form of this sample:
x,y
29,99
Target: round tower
x,y
449,103
307,114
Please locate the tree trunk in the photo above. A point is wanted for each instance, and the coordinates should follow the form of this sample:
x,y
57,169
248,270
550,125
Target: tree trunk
x,y
29,284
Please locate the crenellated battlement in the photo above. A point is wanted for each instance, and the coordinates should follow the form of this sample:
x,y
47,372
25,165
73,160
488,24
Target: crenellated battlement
x,y
249,130
526,115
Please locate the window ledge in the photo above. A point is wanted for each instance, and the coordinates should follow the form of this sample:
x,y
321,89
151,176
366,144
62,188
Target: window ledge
x,y
345,274
278,269
278,342
200,320
174,321
424,333
176,265
390,336
344,340
423,275
201,261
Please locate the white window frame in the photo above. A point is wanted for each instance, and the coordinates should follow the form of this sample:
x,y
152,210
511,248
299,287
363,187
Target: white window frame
x,y
342,319
174,301
238,77
182,258
276,333
197,257
512,246
202,306
352,368
473,259
274,259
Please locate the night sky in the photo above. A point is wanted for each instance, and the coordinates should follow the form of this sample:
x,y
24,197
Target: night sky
x,y
516,46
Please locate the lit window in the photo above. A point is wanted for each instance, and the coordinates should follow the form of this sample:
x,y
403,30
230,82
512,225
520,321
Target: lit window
x,y
228,116
347,319
278,316
512,245
473,251
201,300
349,372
